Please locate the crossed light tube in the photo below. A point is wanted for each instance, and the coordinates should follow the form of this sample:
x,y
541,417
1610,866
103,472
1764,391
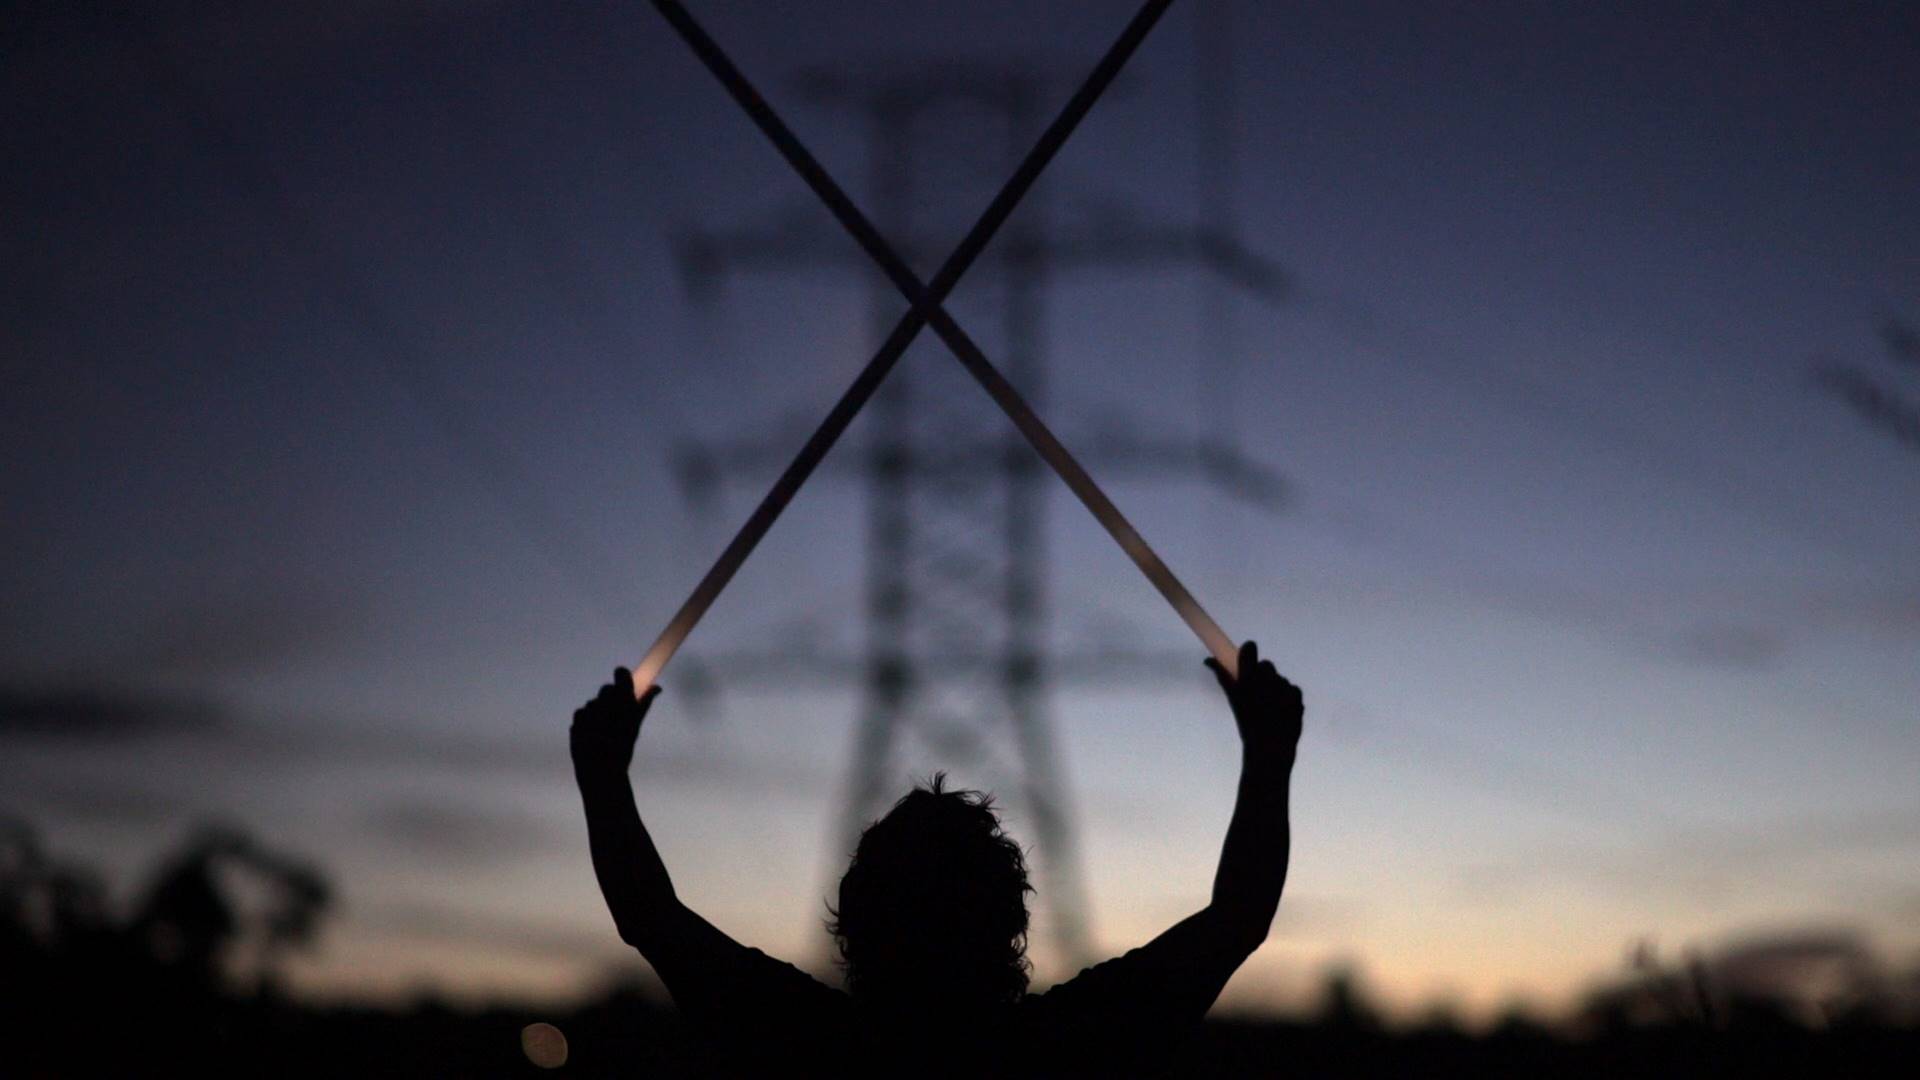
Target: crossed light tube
x,y
927,300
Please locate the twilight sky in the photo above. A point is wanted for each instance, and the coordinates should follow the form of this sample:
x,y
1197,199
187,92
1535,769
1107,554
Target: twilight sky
x,y
345,353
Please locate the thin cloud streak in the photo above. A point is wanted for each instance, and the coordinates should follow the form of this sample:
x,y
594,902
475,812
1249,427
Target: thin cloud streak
x,y
66,713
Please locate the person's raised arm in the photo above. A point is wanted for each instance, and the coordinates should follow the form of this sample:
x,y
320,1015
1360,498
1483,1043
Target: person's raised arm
x,y
1253,862
714,979
1182,971
633,879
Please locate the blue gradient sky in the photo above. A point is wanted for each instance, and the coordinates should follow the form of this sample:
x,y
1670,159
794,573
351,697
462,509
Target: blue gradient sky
x,y
344,351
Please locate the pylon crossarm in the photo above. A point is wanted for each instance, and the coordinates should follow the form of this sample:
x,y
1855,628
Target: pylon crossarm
x,y
926,307
927,300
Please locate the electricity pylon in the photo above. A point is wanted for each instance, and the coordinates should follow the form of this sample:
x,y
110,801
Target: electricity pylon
x,y
957,648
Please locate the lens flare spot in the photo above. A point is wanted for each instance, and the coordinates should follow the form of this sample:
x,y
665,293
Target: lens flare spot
x,y
544,1045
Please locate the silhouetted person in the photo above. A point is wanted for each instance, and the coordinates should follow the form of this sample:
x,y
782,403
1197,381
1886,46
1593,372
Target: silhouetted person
x,y
932,924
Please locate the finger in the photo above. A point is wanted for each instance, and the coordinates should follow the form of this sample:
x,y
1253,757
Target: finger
x,y
1220,674
652,692
623,680
1249,655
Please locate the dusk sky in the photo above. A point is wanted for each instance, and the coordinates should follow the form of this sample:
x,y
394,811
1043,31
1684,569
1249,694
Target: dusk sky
x,y
346,355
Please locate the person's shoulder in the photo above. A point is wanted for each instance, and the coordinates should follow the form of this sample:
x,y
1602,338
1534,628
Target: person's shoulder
x,y
745,983
1079,1001
778,974
1103,1021
1109,974
760,1015
1131,995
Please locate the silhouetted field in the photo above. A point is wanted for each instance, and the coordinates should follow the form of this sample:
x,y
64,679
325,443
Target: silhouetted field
x,y
626,1035
86,991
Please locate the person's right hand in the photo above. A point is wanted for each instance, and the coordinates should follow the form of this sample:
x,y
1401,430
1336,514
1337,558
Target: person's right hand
x,y
605,728
1266,707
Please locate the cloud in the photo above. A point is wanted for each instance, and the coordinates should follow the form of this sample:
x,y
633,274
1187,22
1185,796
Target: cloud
x,y
1902,341
90,709
1892,611
1905,904
1728,646
458,833
243,631
494,933
134,758
85,713
1489,767
404,746
1706,864
1873,401
101,801
1316,916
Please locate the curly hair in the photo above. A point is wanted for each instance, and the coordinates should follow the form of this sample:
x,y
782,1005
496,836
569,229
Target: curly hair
x,y
935,902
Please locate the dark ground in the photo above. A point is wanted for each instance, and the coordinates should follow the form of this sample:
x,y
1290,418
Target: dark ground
x,y
90,991
626,1035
